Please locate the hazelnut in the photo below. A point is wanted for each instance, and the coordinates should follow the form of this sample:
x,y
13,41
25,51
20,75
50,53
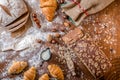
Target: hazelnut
x,y
54,30
35,19
65,16
66,24
53,41
38,24
34,15
49,38
57,35
38,41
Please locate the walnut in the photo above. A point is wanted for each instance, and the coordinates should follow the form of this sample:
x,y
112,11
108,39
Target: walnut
x,y
17,67
44,77
56,71
30,74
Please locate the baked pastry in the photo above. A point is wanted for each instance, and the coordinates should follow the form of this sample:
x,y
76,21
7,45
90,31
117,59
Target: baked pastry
x,y
14,14
44,77
48,8
56,71
17,67
30,74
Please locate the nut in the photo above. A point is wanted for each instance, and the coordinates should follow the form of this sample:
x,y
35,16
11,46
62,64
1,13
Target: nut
x,y
49,38
38,24
57,35
34,15
64,16
38,41
35,19
66,24
53,41
54,30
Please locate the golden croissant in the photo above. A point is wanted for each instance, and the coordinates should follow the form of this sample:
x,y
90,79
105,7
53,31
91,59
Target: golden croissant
x,y
17,67
56,71
48,8
30,74
44,77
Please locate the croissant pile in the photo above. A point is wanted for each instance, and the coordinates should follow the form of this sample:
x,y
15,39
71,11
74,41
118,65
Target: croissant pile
x,y
30,74
17,67
48,8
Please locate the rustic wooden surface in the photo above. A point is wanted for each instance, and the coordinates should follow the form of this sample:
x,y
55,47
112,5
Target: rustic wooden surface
x,y
111,16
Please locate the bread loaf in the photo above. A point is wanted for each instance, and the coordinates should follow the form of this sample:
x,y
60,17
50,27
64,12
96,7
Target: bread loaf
x,y
12,14
90,55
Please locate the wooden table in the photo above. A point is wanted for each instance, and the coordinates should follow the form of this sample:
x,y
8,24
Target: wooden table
x,y
106,25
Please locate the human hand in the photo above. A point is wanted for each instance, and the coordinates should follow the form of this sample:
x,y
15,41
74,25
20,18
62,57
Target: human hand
x,y
79,9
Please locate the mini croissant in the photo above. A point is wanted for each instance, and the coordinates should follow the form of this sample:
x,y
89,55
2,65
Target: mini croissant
x,y
48,8
56,71
17,67
30,74
44,77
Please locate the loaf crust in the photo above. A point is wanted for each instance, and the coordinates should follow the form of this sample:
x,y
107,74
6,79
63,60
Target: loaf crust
x,y
16,8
